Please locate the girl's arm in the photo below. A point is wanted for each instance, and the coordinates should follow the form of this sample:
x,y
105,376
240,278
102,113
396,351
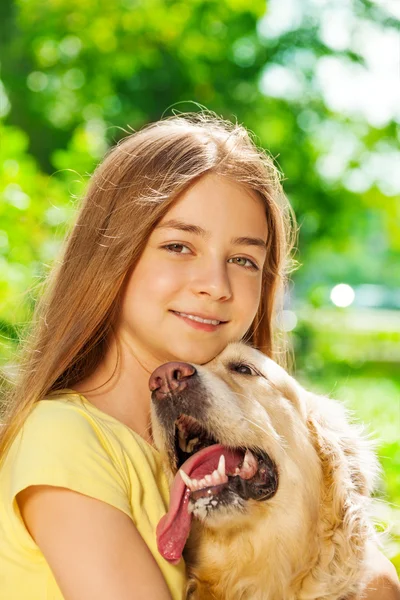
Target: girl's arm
x,y
93,549
384,584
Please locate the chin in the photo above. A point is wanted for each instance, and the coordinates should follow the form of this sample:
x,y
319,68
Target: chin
x,y
195,352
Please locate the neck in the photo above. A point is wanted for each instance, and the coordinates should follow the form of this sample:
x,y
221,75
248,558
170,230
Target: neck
x,y
119,387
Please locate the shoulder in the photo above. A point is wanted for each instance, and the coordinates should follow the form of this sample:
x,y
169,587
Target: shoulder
x,y
65,420
54,426
61,444
65,410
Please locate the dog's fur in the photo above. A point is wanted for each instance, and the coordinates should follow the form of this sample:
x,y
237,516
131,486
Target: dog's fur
x,y
311,540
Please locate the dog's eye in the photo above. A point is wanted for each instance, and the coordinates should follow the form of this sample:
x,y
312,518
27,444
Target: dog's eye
x,y
242,369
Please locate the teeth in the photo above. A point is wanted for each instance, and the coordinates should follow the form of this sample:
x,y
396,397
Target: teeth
x,y
221,466
249,466
186,479
246,463
199,319
218,477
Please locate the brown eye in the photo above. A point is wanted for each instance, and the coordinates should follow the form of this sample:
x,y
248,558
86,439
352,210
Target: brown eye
x,y
176,248
242,368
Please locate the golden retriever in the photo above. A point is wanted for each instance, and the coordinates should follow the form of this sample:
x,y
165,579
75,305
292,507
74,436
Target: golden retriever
x,y
270,483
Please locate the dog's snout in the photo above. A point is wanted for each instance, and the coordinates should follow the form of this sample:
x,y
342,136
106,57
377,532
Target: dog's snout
x,y
170,377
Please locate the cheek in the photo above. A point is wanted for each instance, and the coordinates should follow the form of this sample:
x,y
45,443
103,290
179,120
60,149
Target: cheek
x,y
247,298
152,283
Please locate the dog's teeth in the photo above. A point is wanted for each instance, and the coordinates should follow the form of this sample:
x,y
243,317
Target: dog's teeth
x,y
221,466
246,464
249,466
189,482
216,477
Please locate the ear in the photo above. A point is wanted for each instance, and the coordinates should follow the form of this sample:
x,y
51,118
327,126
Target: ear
x,y
347,454
349,472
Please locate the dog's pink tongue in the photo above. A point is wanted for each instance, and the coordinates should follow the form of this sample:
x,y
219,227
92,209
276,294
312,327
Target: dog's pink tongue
x,y
173,529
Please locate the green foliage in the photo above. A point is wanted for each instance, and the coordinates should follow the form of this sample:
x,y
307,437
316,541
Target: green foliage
x,y
33,213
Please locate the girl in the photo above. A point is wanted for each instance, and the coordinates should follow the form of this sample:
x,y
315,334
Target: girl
x,y
184,223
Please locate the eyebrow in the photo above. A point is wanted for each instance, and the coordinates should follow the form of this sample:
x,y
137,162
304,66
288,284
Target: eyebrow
x,y
197,230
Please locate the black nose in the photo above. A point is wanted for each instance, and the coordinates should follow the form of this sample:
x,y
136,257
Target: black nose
x,y
169,378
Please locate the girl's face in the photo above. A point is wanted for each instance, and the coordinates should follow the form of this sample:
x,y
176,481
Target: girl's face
x,y
204,259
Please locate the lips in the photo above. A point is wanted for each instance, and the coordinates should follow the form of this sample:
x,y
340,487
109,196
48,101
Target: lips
x,y
200,316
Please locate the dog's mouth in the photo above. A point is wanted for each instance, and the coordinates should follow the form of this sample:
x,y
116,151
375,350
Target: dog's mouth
x,y
210,476
242,469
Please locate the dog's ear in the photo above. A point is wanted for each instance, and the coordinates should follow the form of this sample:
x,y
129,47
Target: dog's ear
x,y
349,472
346,453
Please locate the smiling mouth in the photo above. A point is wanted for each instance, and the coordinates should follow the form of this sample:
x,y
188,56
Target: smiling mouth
x,y
201,320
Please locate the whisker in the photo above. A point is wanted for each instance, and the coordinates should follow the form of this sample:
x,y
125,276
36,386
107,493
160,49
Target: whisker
x,y
270,431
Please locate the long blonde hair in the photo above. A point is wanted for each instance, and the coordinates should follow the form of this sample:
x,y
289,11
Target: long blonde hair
x,y
130,191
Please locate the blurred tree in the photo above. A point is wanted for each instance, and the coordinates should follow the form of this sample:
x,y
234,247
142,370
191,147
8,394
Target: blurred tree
x,y
78,76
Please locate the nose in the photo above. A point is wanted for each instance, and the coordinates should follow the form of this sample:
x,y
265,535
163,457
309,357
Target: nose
x,y
212,279
170,378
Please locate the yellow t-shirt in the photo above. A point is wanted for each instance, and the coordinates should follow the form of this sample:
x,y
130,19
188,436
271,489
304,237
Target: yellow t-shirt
x,y
66,441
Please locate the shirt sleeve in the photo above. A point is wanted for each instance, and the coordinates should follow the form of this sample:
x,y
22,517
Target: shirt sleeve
x,y
60,445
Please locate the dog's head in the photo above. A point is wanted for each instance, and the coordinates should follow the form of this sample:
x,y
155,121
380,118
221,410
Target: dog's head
x,y
239,437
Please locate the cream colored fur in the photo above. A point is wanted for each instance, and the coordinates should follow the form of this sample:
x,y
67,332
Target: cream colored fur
x,y
311,540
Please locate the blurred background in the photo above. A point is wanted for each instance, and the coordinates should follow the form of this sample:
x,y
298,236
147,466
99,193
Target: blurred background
x,y
317,81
